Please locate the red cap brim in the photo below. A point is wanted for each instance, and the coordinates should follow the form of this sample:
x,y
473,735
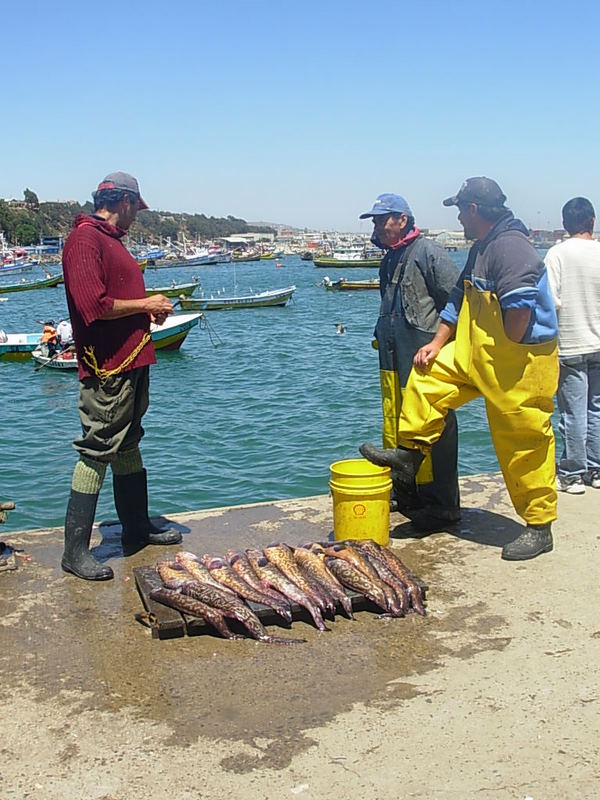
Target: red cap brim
x,y
142,205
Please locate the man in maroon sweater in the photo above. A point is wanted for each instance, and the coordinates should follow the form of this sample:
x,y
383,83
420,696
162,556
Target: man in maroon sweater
x,y
111,316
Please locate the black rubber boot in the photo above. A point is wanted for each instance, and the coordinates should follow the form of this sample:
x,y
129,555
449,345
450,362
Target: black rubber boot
x,y
435,519
535,540
131,502
403,461
403,496
77,558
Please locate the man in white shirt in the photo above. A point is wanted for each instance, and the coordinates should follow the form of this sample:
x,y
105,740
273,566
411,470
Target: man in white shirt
x,y
574,275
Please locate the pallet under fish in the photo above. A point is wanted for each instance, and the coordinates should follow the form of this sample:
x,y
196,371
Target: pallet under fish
x,y
167,623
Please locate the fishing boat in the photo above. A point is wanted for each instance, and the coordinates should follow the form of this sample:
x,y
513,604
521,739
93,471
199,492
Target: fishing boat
x,y
62,360
271,297
174,290
249,255
349,256
347,260
171,334
41,283
12,268
168,336
344,285
17,346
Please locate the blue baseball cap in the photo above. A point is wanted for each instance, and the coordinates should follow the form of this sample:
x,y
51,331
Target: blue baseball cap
x,y
388,204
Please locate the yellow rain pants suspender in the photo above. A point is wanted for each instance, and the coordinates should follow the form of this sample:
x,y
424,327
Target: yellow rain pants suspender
x,y
518,382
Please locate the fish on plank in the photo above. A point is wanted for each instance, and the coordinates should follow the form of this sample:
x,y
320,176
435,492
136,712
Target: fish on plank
x,y
314,565
282,557
359,562
225,575
199,572
356,580
173,573
369,549
195,608
232,606
269,575
239,563
406,576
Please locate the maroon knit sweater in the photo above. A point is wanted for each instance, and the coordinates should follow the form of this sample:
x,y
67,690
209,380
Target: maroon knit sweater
x,y
98,269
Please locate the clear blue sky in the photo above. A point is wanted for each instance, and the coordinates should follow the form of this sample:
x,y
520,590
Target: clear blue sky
x,y
302,112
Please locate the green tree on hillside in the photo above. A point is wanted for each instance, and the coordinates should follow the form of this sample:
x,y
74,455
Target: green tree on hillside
x,y
26,234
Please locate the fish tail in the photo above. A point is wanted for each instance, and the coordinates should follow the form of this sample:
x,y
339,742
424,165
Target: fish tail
x,y
315,613
282,640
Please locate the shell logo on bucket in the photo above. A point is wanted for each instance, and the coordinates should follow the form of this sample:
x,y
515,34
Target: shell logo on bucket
x,y
359,509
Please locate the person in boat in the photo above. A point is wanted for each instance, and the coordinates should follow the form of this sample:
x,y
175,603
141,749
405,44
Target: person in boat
x,y
50,338
64,334
111,317
497,339
415,277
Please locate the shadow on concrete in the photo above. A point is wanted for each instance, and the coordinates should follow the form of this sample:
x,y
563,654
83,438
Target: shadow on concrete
x,y
110,546
476,525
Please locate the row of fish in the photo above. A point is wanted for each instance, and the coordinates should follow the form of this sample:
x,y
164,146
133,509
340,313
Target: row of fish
x,y
314,576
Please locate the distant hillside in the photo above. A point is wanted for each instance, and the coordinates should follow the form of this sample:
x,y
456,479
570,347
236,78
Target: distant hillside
x,y
24,223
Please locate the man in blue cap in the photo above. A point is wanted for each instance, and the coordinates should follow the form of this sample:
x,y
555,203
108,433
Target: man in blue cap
x,y
416,277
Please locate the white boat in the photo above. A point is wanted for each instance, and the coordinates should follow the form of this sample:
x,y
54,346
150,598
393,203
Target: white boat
x,y
170,335
199,257
271,297
17,346
62,360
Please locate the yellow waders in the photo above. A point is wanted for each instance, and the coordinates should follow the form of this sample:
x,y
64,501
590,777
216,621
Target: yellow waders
x,y
437,478
517,381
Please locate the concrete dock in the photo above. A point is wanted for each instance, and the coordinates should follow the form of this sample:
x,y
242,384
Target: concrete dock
x,y
494,695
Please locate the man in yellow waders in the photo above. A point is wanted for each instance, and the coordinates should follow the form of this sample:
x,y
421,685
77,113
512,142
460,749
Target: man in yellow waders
x,y
505,349
416,277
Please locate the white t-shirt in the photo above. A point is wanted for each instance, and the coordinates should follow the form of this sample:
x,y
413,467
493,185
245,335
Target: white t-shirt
x,y
574,275
64,331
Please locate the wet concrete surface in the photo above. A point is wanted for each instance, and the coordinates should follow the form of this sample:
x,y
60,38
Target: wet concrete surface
x,y
72,649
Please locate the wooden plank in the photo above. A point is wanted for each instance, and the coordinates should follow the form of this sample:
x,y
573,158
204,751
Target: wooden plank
x,y
166,622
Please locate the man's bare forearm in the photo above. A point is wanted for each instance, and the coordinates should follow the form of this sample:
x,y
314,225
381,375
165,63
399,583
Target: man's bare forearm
x,y
155,306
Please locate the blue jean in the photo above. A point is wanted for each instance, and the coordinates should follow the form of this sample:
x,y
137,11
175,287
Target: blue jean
x,y
579,405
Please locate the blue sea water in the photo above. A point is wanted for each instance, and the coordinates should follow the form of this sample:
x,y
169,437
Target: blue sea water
x,y
260,417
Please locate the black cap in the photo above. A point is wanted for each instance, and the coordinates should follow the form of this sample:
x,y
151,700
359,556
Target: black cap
x,y
482,191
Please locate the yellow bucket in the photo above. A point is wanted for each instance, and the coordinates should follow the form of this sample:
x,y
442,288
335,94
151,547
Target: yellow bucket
x,y
361,500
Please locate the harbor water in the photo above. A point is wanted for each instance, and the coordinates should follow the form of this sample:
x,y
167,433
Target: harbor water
x,y
254,408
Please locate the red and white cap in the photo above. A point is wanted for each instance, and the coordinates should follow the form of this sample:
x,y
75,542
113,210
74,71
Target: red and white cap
x,y
125,182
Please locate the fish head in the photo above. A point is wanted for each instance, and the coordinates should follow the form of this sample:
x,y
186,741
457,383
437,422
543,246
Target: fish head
x,y
174,583
183,555
253,553
171,570
213,562
232,556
